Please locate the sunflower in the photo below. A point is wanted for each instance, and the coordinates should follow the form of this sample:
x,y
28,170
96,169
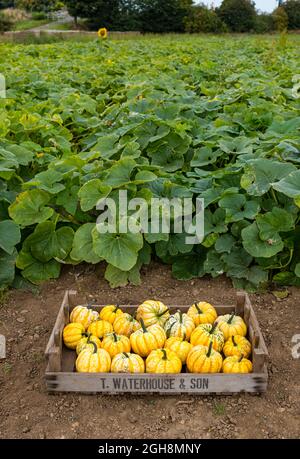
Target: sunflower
x,y
102,33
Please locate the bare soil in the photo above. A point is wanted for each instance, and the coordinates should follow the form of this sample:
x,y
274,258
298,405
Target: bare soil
x,y
27,411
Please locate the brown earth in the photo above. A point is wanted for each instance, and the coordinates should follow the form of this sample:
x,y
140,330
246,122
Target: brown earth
x,y
27,411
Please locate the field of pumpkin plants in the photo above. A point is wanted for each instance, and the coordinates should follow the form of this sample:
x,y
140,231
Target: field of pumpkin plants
x,y
210,117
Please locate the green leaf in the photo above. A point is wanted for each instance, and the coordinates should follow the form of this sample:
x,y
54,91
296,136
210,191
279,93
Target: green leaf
x,y
188,267
297,270
91,193
214,265
120,250
286,278
289,185
224,243
36,271
68,198
83,245
258,247
175,245
260,174
46,242
204,156
238,208
237,262
274,222
119,174
7,268
29,208
116,277
10,236
47,181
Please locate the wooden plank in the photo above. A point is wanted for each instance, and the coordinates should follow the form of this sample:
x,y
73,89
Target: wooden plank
x,y
240,303
54,347
166,384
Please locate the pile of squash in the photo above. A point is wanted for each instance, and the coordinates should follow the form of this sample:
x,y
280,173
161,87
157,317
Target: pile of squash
x,y
155,341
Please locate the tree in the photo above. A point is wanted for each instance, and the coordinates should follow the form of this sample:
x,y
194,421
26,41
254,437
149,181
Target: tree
x,y
163,16
37,5
202,19
6,4
102,13
281,19
264,23
238,15
5,23
292,9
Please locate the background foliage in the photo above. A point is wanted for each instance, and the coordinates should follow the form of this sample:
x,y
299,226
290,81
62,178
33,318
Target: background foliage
x,y
210,117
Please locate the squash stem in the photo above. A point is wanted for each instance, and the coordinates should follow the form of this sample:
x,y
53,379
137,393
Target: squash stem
x,y
241,358
230,318
198,309
209,349
164,354
95,347
143,326
233,340
162,313
213,328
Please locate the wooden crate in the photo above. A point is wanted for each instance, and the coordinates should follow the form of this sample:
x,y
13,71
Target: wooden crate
x,y
61,376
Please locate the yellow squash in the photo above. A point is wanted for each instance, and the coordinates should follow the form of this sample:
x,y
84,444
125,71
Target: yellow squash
x,y
116,344
146,339
83,315
207,333
72,334
237,345
163,361
152,312
202,313
127,363
237,364
125,324
180,325
96,361
87,343
180,347
110,313
100,328
231,324
203,359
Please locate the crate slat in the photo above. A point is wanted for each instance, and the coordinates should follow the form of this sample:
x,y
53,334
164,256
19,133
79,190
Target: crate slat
x,y
166,384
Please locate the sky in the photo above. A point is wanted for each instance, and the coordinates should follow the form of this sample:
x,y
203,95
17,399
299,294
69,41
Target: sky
x,y
263,5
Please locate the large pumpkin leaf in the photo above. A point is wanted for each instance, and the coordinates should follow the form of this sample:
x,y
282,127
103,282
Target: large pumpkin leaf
x,y
7,268
91,193
30,207
261,173
46,242
120,250
10,236
257,247
290,186
36,271
83,245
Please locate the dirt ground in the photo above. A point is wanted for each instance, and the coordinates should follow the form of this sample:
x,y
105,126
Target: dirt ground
x,y
27,411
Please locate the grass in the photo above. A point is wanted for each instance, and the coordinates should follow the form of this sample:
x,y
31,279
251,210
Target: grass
x,y
27,24
219,409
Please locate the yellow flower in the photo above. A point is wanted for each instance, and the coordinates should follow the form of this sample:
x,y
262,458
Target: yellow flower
x,y
102,33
